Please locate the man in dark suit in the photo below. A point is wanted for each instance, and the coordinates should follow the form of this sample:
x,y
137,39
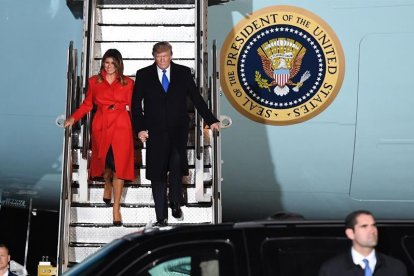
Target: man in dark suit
x,y
362,259
4,261
160,117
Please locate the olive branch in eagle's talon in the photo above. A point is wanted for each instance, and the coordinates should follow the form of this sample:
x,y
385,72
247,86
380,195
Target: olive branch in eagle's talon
x,y
261,82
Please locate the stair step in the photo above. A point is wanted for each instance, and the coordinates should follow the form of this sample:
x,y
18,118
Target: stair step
x,y
137,214
143,50
99,183
81,234
140,33
95,234
134,194
145,2
146,16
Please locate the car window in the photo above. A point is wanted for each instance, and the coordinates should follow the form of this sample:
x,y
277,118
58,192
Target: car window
x,y
183,266
299,256
179,266
201,259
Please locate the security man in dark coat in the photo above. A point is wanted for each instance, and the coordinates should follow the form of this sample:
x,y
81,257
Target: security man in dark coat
x,y
160,117
362,259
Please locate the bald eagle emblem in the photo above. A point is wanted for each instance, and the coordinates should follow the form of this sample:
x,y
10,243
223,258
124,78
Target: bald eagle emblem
x,y
281,61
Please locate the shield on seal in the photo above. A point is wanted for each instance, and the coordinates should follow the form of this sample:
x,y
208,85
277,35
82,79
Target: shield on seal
x,y
281,76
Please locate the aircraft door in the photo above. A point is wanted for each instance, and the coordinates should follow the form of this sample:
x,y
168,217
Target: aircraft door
x,y
384,140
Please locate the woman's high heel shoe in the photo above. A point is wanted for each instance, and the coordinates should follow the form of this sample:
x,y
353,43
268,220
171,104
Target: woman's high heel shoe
x,y
107,201
117,222
107,190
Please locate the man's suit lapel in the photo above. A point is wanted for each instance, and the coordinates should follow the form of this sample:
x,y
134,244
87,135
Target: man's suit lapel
x,y
173,76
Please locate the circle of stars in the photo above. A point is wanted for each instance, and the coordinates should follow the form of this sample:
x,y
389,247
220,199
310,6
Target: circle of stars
x,y
273,103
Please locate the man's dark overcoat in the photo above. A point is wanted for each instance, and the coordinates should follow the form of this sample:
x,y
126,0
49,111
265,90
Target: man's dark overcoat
x,y
343,265
165,116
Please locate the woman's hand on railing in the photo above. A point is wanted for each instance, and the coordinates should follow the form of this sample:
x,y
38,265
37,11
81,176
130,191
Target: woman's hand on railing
x,y
69,122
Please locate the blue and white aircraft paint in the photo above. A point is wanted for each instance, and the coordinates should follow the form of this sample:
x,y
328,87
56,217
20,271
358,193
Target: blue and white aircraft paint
x,y
355,153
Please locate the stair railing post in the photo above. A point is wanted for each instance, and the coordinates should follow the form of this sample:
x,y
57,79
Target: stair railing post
x,y
215,99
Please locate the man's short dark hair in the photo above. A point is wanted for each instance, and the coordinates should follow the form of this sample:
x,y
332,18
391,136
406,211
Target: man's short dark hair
x,y
351,219
4,246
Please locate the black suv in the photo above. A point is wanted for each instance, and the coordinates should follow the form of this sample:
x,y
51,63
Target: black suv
x,y
277,248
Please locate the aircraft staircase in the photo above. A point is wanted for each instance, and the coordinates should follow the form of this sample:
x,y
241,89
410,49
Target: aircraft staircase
x,y
133,27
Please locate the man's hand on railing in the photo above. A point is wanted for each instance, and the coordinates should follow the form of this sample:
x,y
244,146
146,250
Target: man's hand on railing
x,y
215,126
69,122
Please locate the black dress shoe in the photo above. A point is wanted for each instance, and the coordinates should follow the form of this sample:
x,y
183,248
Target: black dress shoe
x,y
176,210
161,223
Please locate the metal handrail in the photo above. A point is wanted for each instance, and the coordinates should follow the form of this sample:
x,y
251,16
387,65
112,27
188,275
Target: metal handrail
x,y
197,117
88,50
67,162
216,185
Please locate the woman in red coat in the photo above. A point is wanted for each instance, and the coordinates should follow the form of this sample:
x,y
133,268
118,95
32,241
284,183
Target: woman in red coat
x,y
112,138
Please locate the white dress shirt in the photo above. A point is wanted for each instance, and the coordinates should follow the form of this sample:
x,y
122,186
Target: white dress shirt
x,y
358,259
159,70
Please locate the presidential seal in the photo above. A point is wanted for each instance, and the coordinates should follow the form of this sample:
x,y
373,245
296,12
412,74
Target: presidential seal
x,y
282,65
